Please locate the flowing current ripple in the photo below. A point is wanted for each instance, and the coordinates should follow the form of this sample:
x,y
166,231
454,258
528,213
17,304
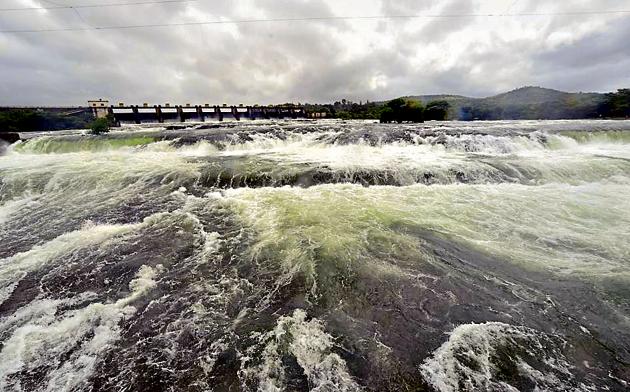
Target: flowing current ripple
x,y
321,256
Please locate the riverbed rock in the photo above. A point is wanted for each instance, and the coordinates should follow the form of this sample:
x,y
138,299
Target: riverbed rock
x,y
9,137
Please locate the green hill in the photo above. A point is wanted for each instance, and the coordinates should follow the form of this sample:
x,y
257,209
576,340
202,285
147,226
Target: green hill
x,y
527,103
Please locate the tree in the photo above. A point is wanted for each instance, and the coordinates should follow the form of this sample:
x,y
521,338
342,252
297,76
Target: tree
x,y
413,111
99,126
401,109
396,104
387,115
29,120
616,104
436,110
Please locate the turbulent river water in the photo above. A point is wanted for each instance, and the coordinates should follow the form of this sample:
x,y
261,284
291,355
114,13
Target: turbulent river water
x,y
323,256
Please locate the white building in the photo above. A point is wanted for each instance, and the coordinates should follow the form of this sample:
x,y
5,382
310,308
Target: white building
x,y
100,107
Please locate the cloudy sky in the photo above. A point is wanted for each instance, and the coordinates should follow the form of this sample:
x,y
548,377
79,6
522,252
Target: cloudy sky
x,y
307,60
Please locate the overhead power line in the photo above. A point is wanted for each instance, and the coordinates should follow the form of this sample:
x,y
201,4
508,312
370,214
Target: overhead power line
x,y
53,3
509,8
317,18
62,7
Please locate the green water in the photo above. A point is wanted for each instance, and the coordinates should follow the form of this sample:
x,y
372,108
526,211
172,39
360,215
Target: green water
x,y
50,145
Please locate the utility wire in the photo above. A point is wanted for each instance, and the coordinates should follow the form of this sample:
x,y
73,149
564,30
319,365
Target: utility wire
x,y
61,7
509,8
76,11
316,18
53,3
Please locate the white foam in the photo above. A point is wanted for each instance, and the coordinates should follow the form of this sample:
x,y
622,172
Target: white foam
x,y
9,208
311,347
468,359
39,337
14,268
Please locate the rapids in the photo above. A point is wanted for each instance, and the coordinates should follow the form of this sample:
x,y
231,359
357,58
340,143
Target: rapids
x,y
323,256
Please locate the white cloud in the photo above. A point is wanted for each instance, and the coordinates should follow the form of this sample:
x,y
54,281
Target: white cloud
x,y
321,60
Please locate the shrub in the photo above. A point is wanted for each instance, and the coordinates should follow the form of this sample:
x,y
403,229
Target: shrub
x,y
99,126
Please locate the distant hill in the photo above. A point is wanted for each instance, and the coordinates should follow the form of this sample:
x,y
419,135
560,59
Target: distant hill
x,y
527,103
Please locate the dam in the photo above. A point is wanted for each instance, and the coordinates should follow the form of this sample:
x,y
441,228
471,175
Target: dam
x,y
138,114
145,113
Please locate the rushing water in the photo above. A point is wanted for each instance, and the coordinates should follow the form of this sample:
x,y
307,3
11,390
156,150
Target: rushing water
x,y
324,256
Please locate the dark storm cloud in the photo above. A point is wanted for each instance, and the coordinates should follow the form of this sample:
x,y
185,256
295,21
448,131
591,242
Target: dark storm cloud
x,y
600,47
597,61
351,78
443,27
305,60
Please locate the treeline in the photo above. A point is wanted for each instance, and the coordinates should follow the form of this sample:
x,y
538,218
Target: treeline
x,y
616,105
409,110
396,110
29,120
347,110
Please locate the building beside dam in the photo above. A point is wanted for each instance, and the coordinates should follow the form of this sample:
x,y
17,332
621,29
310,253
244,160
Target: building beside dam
x,y
100,108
